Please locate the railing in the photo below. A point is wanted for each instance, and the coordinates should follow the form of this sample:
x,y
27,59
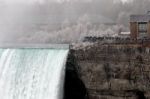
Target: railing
x,y
120,40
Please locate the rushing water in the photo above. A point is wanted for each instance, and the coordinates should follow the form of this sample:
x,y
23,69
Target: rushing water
x,y
32,73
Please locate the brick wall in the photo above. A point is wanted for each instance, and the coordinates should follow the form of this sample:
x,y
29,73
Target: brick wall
x,y
134,29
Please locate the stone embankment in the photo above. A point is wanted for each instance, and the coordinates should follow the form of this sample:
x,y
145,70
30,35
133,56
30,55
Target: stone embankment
x,y
113,71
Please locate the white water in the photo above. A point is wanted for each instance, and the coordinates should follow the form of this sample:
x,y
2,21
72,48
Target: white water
x,y
32,73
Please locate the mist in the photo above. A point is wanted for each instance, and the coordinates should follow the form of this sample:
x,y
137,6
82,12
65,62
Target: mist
x,y
65,21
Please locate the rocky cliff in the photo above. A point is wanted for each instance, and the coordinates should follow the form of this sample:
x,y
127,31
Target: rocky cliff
x,y
113,71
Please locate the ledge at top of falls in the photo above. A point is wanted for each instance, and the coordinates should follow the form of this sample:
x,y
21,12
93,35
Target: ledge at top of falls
x,y
48,46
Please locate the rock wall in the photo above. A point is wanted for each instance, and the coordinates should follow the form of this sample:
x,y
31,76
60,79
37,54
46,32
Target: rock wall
x,y
114,71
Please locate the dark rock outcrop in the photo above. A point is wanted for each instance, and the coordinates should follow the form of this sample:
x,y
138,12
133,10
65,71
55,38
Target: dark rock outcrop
x,y
114,71
74,87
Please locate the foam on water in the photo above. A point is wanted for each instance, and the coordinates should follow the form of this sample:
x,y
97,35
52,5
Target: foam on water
x,y
32,73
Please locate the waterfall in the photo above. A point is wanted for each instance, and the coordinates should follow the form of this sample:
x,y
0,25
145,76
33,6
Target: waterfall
x,y
33,73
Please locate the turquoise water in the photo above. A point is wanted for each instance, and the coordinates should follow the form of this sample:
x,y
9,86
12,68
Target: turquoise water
x,y
32,73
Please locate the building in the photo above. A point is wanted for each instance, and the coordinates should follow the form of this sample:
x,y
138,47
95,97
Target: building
x,y
124,34
140,26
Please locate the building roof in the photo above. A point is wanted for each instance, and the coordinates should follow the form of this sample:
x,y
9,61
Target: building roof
x,y
140,18
125,33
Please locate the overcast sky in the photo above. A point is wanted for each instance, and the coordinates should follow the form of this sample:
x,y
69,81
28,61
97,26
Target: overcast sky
x,y
124,0
32,1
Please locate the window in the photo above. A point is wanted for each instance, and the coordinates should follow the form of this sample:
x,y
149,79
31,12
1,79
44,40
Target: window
x,y
142,27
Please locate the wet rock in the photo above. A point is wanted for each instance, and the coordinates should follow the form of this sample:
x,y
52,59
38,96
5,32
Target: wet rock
x,y
114,71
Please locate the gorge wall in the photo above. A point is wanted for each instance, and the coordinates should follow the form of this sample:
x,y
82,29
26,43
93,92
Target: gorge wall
x,y
113,71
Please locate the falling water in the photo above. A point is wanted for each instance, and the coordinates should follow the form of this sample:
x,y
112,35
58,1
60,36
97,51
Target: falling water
x,y
32,73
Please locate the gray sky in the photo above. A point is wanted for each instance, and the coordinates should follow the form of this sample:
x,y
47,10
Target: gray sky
x,y
64,22
33,1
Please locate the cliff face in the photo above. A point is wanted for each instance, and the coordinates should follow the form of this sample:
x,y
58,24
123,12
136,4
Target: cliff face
x,y
113,71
